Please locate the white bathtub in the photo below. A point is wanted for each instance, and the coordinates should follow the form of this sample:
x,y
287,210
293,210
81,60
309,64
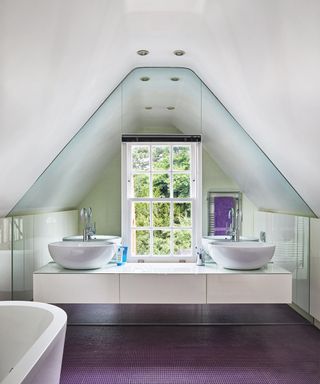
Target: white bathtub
x,y
31,342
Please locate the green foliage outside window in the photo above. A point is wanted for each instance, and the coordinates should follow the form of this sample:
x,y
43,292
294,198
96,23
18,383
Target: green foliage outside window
x,y
161,242
142,239
161,214
182,242
141,185
181,158
182,214
140,158
161,185
160,158
181,186
141,214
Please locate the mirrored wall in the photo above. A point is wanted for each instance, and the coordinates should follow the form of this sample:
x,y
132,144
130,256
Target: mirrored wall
x,y
87,172
290,234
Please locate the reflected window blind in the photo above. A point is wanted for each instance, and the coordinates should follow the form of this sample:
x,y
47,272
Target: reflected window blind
x,y
5,233
294,249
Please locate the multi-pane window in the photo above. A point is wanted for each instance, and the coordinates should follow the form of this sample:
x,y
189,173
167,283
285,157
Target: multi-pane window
x,y
161,191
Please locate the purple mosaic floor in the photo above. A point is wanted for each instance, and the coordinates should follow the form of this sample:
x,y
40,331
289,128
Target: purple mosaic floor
x,y
181,313
231,354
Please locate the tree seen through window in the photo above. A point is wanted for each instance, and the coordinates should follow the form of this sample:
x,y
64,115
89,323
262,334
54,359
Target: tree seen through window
x,y
161,209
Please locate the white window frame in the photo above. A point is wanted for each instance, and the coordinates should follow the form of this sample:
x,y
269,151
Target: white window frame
x,y
196,199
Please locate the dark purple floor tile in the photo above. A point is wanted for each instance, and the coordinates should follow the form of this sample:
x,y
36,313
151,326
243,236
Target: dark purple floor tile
x,y
190,313
231,354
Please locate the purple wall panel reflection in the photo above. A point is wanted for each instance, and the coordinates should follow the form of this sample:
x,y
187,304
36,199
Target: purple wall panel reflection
x,y
222,206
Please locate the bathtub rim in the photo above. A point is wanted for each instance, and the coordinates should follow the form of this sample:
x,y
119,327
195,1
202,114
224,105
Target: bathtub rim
x,y
39,347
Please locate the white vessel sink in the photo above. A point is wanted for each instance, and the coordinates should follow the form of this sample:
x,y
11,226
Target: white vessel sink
x,y
109,238
206,240
243,255
82,255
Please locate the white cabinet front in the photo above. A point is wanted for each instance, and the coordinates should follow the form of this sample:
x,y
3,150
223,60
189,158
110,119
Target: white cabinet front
x,y
249,288
76,288
163,289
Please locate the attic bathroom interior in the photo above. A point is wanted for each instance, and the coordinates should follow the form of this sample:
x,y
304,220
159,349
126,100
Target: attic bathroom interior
x,y
162,217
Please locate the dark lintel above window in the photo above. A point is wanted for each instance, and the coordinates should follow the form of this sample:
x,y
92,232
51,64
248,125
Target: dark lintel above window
x,y
145,138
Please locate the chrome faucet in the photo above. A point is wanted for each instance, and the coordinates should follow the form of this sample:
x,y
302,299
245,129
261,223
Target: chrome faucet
x,y
88,232
200,257
235,224
231,225
89,228
263,237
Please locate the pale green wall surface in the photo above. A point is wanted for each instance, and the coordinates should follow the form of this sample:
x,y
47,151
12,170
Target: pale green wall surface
x,y
105,197
248,211
105,200
213,179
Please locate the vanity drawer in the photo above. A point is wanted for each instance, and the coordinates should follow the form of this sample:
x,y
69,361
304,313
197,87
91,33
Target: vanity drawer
x,y
249,288
162,289
76,288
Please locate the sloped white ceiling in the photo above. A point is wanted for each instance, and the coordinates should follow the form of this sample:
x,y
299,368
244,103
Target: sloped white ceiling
x,y
59,59
192,109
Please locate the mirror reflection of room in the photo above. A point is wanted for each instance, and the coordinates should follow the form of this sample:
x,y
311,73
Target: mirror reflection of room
x,y
87,174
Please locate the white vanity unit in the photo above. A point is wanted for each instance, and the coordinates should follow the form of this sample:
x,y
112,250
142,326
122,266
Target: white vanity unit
x,y
162,283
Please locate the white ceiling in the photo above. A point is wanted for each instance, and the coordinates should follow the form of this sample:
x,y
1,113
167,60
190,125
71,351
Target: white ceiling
x,y
59,59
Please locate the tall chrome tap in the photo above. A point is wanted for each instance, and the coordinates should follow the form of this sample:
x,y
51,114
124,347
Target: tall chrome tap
x,y
89,228
234,228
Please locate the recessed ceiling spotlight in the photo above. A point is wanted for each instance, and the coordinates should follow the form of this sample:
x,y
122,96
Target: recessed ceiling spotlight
x,y
170,108
144,78
148,108
174,78
143,52
179,52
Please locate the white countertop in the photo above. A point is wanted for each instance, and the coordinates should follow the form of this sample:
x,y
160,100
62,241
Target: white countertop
x,y
161,268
